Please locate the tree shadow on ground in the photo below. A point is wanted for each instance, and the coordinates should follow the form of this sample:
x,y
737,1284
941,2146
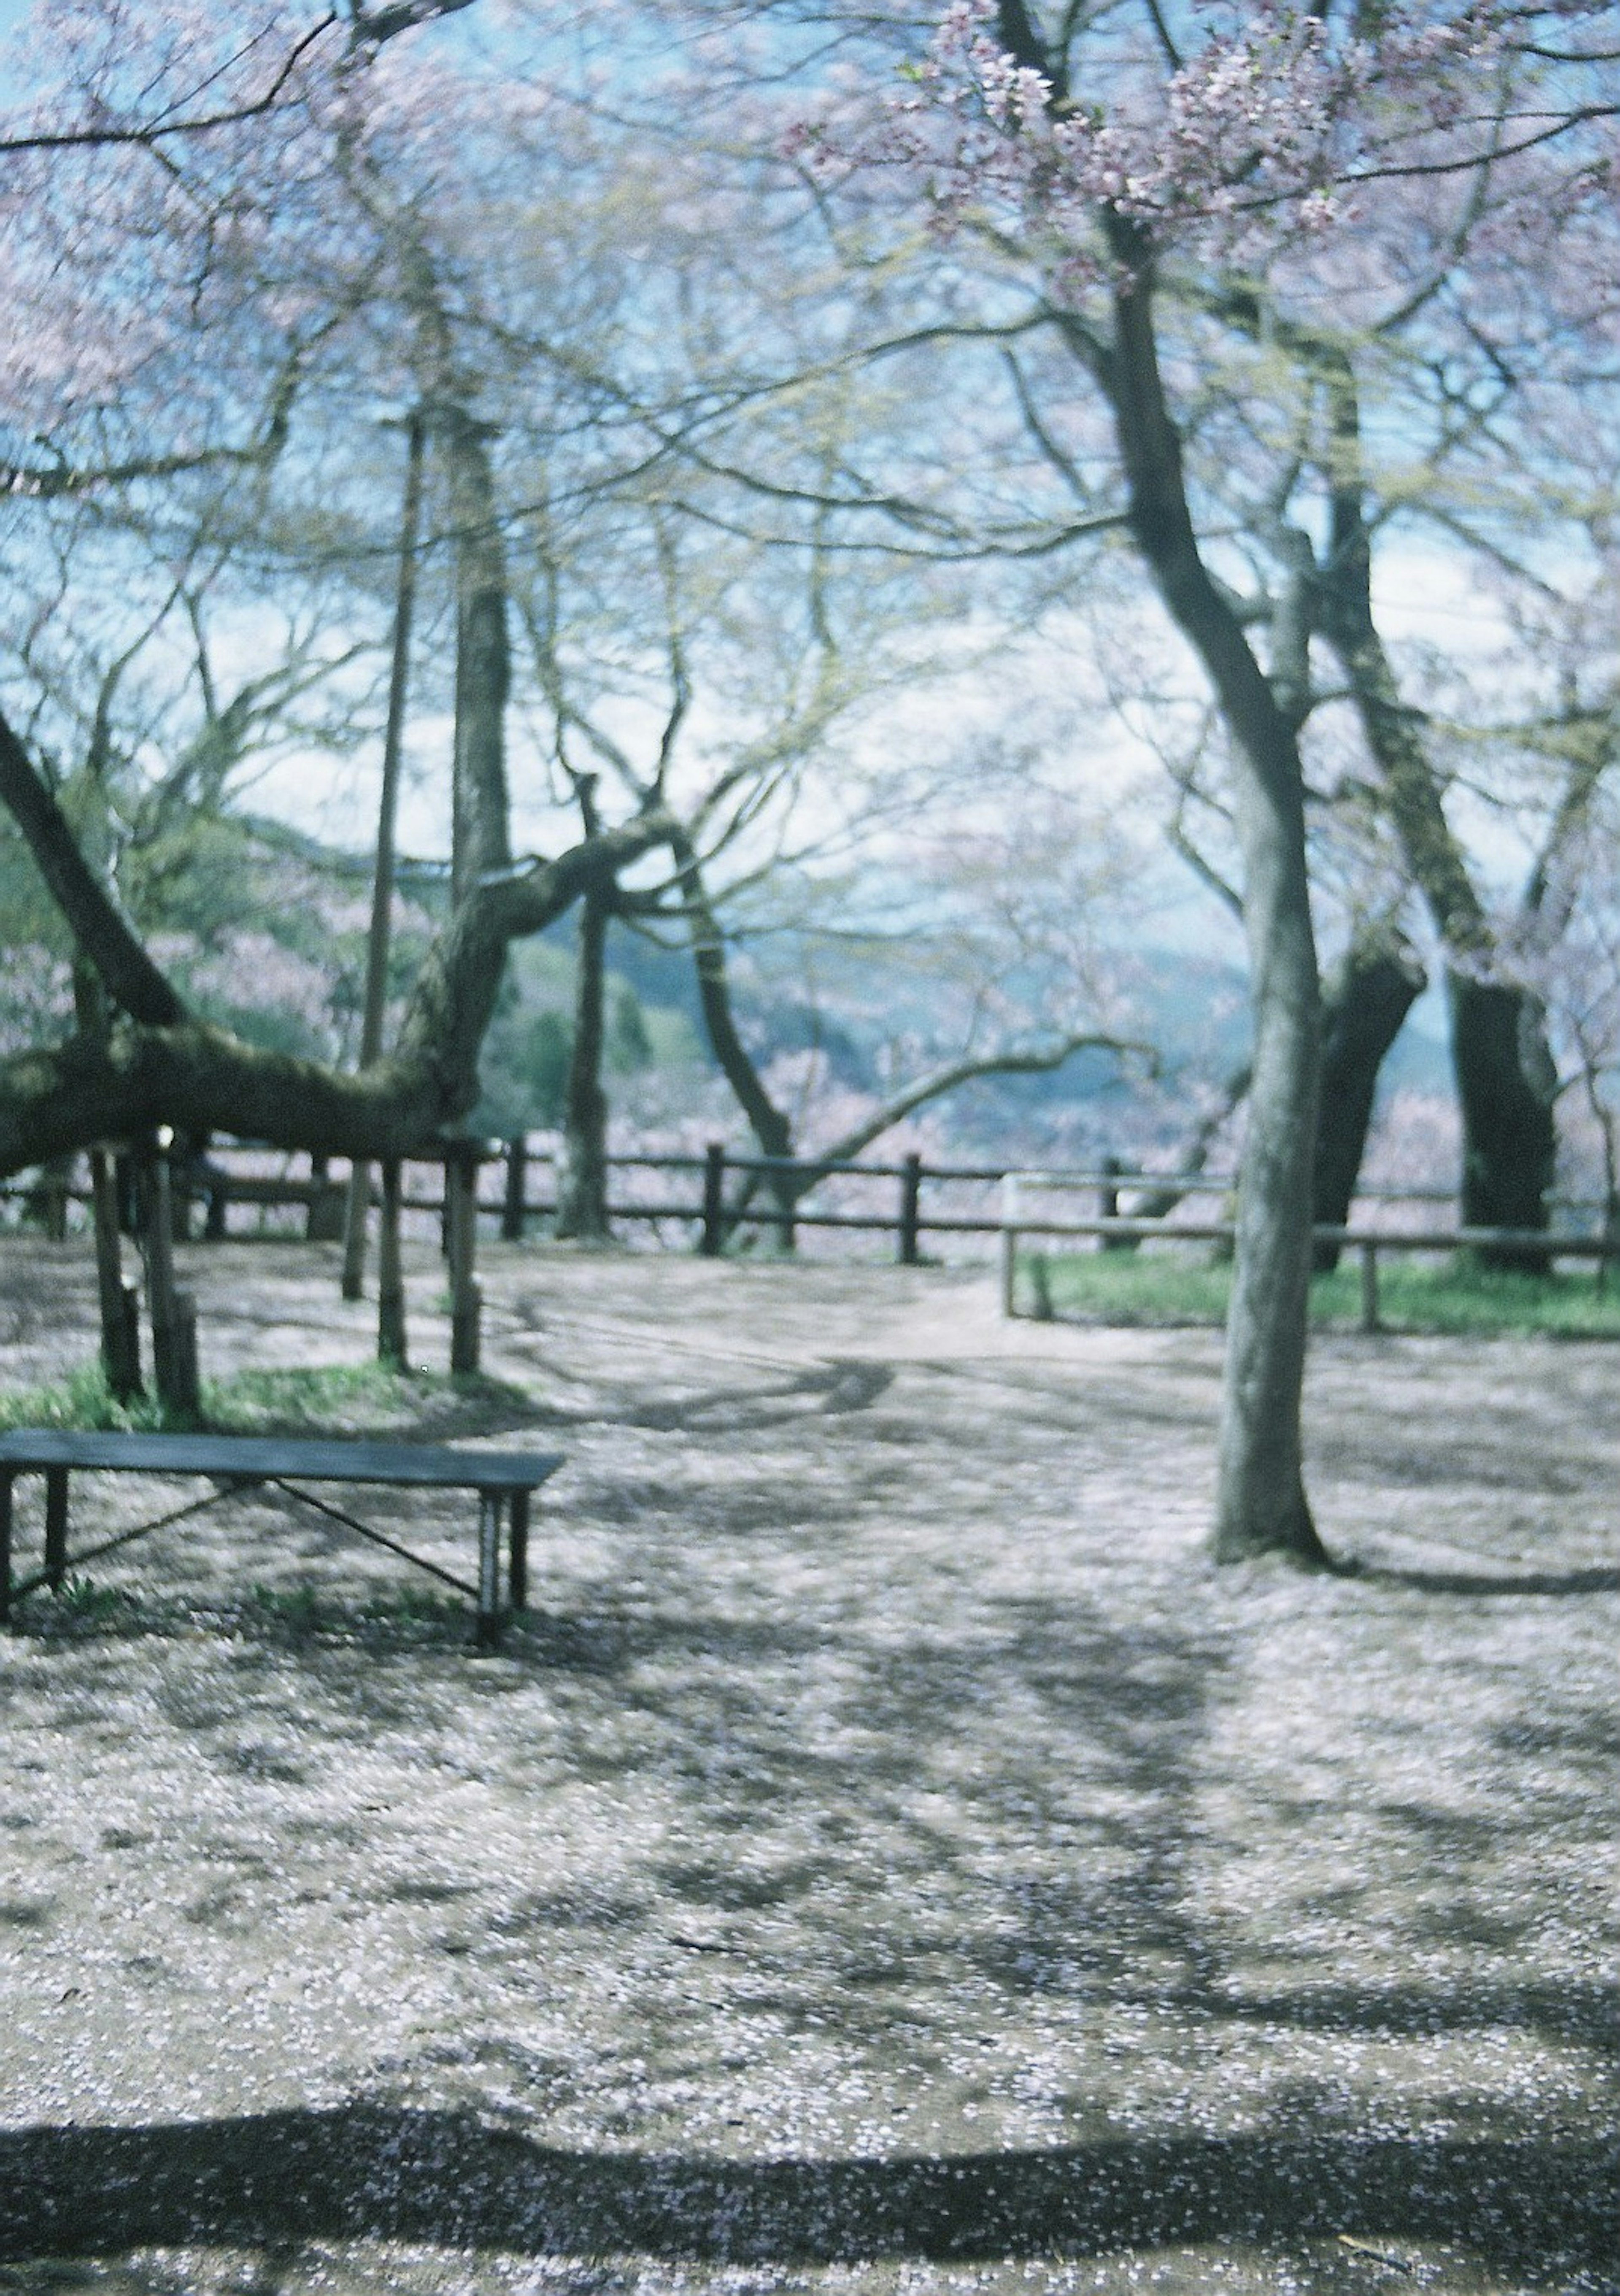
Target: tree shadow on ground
x,y
1534,2209
1594,1579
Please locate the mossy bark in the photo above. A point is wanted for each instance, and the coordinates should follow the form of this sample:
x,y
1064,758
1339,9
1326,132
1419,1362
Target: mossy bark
x,y
1366,1000
1262,1508
582,1179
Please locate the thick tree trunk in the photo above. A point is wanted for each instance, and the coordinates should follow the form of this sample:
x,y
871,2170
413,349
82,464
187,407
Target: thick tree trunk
x,y
483,659
1506,1084
1262,1507
153,1069
1371,991
1500,1052
582,1180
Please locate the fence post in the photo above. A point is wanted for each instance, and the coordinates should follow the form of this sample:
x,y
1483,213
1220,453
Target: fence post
x,y
517,1175
1108,1206
121,1332
911,1196
1369,1287
1009,1244
173,1313
356,1207
1039,1280
390,1272
328,1199
461,1219
714,1200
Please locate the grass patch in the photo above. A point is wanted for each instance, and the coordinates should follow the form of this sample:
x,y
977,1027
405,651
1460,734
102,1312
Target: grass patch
x,y
1449,1294
317,1396
81,1400
366,1398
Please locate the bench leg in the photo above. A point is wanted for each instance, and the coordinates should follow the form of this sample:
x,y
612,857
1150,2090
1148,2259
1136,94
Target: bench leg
x,y
56,1527
489,1570
5,1550
517,1578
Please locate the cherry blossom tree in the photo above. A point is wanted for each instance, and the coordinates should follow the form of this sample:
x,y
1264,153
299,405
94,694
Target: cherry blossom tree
x,y
1110,170
254,259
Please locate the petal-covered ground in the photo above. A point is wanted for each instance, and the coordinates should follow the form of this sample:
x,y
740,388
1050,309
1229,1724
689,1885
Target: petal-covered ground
x,y
888,1855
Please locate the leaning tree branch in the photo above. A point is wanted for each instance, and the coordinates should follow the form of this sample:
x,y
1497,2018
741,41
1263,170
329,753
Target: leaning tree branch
x,y
120,1082
128,974
941,1080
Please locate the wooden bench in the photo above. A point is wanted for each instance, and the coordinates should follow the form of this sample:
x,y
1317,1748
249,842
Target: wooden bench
x,y
504,1482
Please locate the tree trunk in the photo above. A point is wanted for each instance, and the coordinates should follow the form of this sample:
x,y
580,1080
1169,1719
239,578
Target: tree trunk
x,y
483,661
770,1129
1261,1508
1499,1052
162,1067
582,1179
1371,993
1506,1084
381,932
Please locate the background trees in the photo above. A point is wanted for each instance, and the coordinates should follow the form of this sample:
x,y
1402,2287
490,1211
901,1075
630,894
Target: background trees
x,y
730,458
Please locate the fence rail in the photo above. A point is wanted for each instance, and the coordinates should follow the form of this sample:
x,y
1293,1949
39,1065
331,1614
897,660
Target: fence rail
x,y
730,1197
1533,1244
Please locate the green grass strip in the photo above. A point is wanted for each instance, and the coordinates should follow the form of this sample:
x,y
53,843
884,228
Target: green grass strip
x,y
1450,1294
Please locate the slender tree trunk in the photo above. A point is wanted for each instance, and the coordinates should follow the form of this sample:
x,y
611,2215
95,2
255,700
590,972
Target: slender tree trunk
x,y
1370,994
771,1128
582,1180
382,880
483,661
1262,1507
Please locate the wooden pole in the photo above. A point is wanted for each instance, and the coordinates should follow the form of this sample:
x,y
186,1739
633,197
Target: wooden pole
x,y
391,1272
1369,1287
911,1200
517,1176
173,1313
461,1218
713,1240
120,1329
382,878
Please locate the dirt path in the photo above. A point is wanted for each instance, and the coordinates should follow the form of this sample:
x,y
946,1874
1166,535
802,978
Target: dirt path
x,y
887,1856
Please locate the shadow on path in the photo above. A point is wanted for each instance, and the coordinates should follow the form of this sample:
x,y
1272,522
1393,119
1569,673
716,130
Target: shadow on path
x,y
1532,2208
1597,1579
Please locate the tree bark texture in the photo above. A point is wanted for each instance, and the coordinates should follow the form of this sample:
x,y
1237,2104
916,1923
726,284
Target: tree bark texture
x,y
483,659
1500,1055
1262,1507
159,1065
582,1179
1371,991
1506,1084
379,934
770,1127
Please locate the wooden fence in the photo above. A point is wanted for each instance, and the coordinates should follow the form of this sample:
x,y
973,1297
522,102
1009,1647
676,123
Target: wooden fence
x,y
1021,1219
728,1194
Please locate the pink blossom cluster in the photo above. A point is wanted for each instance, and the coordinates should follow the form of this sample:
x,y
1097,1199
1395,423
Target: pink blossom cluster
x,y
222,210
1262,131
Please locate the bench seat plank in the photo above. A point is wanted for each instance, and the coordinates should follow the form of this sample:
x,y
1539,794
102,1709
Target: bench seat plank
x,y
264,1456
